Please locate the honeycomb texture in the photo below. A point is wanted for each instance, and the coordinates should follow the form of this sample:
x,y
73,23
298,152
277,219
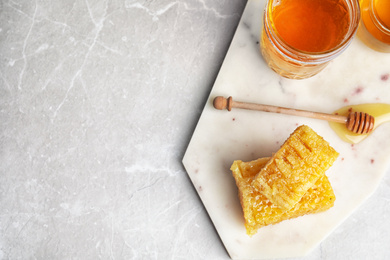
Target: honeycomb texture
x,y
259,211
294,168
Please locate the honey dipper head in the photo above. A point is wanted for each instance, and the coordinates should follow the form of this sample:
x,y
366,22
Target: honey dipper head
x,y
360,123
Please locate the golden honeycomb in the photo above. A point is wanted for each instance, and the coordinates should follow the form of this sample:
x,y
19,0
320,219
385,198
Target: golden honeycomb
x,y
259,211
294,168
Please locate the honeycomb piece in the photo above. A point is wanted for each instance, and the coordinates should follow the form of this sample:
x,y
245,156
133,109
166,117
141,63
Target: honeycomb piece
x,y
292,170
259,211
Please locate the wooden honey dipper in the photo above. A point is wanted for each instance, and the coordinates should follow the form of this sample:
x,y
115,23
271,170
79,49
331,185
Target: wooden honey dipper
x,y
357,122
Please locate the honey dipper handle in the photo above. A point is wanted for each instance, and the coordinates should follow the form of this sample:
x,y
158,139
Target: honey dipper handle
x,y
223,103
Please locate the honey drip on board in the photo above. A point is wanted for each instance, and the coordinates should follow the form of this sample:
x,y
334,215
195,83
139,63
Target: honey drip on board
x,y
311,25
380,111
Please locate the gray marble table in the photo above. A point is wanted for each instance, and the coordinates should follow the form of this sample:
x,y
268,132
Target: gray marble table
x,y
98,102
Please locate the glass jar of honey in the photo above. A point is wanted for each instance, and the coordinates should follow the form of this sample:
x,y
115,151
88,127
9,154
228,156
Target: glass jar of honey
x,y
374,29
300,37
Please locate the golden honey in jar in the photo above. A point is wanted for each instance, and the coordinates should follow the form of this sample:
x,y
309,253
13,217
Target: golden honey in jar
x,y
374,29
300,37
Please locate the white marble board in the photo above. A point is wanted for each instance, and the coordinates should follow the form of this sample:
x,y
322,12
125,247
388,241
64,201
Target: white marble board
x,y
359,75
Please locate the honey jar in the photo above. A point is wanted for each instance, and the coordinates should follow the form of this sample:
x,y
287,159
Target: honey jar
x,y
300,37
374,29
